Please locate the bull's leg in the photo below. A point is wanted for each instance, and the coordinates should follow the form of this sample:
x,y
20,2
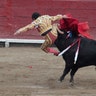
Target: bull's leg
x,y
65,72
72,73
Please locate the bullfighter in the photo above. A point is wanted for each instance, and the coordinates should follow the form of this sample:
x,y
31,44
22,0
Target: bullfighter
x,y
46,28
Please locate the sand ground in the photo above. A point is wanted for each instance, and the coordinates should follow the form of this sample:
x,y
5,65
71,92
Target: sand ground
x,y
28,71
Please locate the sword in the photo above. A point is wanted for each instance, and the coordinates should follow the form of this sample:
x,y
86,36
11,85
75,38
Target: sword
x,y
61,53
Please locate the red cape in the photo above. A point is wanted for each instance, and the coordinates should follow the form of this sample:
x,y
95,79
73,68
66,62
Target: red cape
x,y
72,24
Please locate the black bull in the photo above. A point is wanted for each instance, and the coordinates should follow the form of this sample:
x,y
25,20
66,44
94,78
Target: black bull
x,y
86,56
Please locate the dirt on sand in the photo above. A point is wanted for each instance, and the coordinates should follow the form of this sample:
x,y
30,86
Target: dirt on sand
x,y
28,71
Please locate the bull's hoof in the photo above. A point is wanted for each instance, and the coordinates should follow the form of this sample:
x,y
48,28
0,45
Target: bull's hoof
x,y
61,79
71,84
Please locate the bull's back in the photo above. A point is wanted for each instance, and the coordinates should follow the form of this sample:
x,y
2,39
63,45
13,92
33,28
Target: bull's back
x,y
87,53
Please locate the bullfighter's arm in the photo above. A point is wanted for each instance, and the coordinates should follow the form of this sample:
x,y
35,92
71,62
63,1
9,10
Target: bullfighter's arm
x,y
58,17
24,29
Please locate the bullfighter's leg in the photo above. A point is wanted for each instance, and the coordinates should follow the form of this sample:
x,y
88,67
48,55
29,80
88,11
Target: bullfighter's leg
x,y
65,72
72,73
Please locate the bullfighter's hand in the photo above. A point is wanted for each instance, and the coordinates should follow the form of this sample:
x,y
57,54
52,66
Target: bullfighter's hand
x,y
65,16
17,32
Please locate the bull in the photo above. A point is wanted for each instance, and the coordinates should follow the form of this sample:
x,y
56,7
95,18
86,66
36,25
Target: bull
x,y
86,55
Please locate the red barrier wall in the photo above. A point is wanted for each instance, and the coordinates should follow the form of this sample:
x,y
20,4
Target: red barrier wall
x,y
17,13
